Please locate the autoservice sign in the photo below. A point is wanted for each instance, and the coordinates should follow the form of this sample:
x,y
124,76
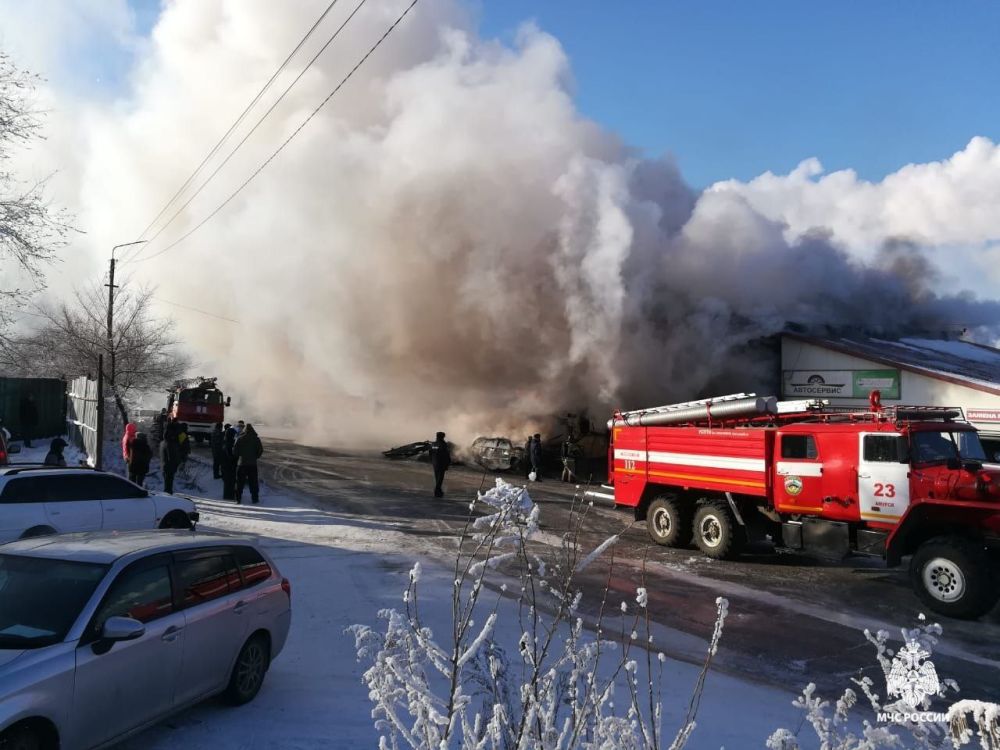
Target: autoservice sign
x,y
840,383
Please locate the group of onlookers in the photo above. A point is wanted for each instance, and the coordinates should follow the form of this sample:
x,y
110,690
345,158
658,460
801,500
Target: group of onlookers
x,y
235,450
570,453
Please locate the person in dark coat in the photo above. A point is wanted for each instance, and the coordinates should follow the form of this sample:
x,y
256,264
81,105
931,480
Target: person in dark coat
x,y
228,463
140,454
55,455
184,440
218,443
159,425
247,450
29,418
568,460
440,461
536,456
527,457
170,455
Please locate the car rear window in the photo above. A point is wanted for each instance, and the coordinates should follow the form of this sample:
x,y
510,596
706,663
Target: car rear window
x,y
253,565
206,578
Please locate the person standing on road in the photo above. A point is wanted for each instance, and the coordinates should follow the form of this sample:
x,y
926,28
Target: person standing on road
x,y
247,450
140,454
159,424
184,441
128,437
536,456
170,456
569,460
441,462
527,457
29,418
229,463
217,440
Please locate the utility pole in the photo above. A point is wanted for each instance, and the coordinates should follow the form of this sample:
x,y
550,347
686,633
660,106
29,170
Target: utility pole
x,y
111,324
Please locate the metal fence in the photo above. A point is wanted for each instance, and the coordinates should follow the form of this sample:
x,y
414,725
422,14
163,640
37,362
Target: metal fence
x,y
84,417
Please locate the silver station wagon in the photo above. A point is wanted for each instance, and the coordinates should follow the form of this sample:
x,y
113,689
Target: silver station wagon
x,y
104,634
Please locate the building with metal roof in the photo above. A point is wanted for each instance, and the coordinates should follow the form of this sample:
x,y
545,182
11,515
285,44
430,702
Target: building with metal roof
x,y
910,371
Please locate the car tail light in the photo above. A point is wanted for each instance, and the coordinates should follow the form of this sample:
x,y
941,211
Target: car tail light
x,y
286,586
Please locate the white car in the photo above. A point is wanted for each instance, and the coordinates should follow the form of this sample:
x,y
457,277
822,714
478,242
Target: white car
x,y
37,500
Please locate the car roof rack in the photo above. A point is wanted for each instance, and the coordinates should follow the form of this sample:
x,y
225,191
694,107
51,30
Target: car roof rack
x,y
10,469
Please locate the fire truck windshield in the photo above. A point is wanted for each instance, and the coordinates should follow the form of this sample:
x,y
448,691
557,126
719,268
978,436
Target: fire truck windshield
x,y
200,396
933,447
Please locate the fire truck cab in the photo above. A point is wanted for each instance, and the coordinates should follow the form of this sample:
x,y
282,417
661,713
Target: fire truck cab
x,y
892,482
200,406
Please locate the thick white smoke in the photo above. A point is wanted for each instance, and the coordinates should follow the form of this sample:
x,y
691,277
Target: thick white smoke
x,y
451,245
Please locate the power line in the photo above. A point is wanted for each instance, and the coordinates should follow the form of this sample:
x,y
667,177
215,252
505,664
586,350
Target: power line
x,y
288,140
195,309
236,124
252,130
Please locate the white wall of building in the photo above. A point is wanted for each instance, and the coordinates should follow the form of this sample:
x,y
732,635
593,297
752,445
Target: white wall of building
x,y
915,389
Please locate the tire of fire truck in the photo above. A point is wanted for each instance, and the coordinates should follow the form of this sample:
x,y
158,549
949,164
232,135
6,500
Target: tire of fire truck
x,y
954,576
716,532
668,521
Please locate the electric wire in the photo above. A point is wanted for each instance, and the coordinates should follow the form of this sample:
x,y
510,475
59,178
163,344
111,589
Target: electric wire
x,y
252,130
286,141
197,310
235,125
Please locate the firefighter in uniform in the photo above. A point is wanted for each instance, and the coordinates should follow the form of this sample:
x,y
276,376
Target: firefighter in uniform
x,y
440,461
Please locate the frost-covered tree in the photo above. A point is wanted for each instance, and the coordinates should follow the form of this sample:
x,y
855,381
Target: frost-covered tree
x,y
555,686
73,333
30,229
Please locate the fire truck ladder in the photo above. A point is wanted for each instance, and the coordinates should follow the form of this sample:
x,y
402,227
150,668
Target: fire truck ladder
x,y
687,404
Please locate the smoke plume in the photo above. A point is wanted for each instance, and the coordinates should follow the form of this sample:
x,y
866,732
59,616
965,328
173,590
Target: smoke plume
x,y
451,245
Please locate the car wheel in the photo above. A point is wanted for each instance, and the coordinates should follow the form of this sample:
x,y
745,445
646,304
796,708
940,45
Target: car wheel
x,y
176,520
954,576
20,738
716,532
249,670
33,532
668,522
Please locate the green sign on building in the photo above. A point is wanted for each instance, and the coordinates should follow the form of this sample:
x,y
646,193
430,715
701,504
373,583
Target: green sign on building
x,y
840,383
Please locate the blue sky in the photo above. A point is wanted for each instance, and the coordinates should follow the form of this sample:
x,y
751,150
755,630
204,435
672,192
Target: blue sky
x,y
733,89
736,88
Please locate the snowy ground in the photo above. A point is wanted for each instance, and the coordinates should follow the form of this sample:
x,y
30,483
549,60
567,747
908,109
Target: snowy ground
x,y
342,573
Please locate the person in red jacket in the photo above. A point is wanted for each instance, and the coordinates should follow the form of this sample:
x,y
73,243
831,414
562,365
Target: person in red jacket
x,y
128,437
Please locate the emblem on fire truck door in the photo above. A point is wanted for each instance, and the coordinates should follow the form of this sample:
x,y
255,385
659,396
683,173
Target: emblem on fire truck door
x,y
793,485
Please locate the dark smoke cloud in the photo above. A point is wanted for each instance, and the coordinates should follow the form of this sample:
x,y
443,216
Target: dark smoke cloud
x,y
451,245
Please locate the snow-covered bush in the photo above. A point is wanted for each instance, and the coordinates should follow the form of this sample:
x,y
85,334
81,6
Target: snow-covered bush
x,y
907,722
554,686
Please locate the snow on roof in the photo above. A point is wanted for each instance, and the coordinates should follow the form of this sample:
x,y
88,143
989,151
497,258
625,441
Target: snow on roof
x,y
963,362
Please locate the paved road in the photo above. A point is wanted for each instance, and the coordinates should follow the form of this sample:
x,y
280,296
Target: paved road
x,y
793,620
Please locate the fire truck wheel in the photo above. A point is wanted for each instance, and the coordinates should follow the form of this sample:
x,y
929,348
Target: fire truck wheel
x,y
954,576
668,522
716,532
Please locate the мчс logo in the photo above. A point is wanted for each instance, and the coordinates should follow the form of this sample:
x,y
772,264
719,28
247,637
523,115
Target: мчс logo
x,y
912,678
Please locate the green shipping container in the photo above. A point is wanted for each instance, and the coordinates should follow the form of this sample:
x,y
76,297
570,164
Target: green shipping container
x,y
50,402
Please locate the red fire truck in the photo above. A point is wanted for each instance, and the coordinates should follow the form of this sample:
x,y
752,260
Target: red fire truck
x,y
199,404
887,481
